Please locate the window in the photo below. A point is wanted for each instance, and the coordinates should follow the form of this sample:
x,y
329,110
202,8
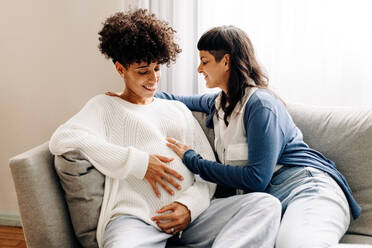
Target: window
x,y
314,51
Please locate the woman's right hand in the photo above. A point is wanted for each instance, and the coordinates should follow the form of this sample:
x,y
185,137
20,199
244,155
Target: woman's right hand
x,y
159,173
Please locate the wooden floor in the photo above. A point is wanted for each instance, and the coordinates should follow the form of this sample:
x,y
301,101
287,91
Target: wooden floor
x,y
11,237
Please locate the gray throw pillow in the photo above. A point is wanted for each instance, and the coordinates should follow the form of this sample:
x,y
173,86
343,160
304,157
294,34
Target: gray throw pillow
x,y
84,187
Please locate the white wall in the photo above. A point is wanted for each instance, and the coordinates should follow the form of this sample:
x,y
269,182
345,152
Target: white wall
x,y
49,67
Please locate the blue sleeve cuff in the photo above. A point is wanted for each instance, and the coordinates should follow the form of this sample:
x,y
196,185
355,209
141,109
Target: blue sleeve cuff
x,y
190,158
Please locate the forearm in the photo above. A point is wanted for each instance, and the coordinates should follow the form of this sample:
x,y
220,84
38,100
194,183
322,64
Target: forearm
x,y
201,103
250,178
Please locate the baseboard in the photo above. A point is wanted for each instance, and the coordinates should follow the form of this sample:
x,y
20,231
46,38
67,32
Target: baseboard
x,y
10,219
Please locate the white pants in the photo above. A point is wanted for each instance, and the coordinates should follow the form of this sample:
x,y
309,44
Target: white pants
x,y
317,213
250,220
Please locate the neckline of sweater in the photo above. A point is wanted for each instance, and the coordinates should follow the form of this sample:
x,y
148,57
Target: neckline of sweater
x,y
133,105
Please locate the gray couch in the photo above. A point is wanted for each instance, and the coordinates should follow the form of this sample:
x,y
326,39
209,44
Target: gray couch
x,y
342,134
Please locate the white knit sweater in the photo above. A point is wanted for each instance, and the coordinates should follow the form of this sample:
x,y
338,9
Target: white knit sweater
x,y
117,138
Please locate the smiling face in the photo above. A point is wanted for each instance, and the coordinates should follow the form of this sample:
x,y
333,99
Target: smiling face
x,y
141,81
216,74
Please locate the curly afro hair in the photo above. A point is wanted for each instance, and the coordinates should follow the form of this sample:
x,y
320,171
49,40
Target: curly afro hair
x,y
138,36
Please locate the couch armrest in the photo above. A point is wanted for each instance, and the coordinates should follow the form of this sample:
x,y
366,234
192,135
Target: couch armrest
x,y
45,218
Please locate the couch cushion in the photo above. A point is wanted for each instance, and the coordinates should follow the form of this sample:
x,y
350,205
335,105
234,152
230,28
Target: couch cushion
x,y
202,119
83,186
356,239
344,135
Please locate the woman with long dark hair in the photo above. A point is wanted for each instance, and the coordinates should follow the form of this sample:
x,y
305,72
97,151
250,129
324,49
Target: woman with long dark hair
x,y
260,148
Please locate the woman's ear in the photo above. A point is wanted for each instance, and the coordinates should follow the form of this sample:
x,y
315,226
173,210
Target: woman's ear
x,y
119,68
226,61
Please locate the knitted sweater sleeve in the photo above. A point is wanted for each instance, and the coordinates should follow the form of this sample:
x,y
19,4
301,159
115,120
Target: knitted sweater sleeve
x,y
87,132
197,197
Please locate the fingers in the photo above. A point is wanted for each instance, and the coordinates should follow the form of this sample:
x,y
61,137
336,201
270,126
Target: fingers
x,y
166,213
178,147
173,182
162,183
171,140
159,173
172,228
169,207
163,158
173,218
167,178
155,188
175,142
165,221
163,218
174,147
173,173
167,225
166,187
169,170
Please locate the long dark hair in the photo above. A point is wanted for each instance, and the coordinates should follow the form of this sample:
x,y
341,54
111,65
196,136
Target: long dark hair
x,y
245,70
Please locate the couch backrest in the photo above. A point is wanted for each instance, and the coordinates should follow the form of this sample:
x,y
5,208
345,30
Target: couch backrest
x,y
45,219
343,135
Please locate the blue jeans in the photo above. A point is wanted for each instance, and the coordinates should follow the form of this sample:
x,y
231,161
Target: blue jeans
x,y
250,220
315,212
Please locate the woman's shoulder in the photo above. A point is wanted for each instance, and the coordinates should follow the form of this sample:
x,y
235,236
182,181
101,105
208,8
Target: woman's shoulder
x,y
265,101
99,99
264,98
102,103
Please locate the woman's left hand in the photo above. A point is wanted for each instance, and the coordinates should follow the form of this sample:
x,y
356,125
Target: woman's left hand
x,y
176,220
178,147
